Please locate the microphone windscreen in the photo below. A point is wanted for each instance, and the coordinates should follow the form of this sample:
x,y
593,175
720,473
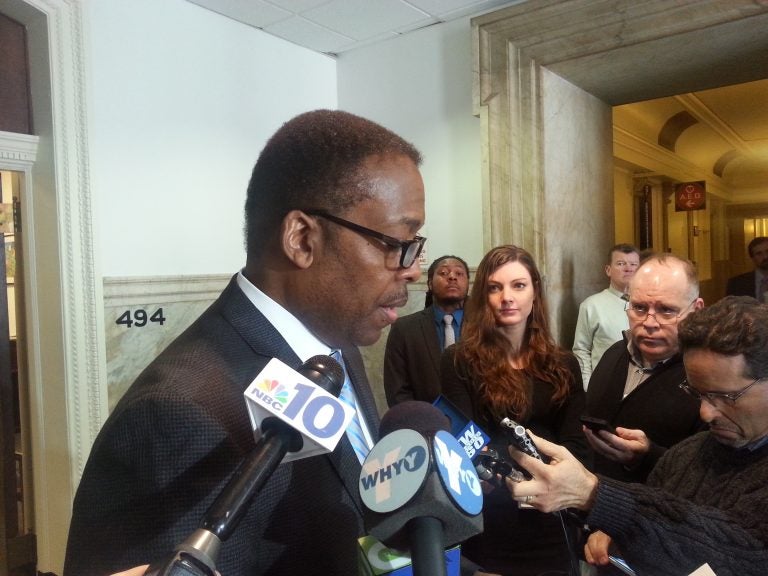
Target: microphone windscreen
x,y
416,415
409,474
325,372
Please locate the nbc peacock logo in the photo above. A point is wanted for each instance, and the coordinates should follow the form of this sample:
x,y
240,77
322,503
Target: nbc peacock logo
x,y
272,393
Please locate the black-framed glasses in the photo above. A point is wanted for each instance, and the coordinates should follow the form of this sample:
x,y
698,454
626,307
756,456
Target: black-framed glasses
x,y
665,316
409,249
718,399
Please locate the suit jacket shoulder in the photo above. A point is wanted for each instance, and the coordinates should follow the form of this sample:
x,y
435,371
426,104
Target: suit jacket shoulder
x,y
172,442
412,359
741,285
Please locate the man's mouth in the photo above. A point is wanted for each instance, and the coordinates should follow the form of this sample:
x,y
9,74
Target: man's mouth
x,y
391,313
723,432
391,306
652,342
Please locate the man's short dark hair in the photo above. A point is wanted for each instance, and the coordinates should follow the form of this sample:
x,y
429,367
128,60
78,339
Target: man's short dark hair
x,y
431,272
313,162
624,249
732,326
755,241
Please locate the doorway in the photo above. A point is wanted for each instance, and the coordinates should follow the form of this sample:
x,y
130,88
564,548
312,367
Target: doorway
x,y
65,353
703,163
17,540
547,76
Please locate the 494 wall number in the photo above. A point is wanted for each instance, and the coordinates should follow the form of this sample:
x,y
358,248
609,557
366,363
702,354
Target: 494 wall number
x,y
140,318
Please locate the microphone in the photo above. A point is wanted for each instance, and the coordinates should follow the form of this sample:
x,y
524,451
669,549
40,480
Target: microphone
x,y
307,401
293,412
489,464
471,437
419,488
519,437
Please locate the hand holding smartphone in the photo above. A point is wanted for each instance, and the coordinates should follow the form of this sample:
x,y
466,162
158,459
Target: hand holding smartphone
x,y
597,424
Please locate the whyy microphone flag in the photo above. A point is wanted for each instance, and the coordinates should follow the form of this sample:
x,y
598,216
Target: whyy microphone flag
x,y
279,391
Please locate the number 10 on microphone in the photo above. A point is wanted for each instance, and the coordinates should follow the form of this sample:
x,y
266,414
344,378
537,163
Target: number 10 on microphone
x,y
281,392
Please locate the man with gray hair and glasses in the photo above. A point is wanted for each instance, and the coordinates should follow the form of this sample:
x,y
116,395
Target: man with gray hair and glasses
x,y
635,385
705,500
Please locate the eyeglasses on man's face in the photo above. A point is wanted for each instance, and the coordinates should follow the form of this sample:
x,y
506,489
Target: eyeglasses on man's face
x,y
409,249
718,399
664,315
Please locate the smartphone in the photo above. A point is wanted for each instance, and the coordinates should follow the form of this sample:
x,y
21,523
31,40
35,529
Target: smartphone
x,y
621,565
597,424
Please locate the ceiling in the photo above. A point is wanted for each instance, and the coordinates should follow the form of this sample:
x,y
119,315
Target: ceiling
x,y
722,132
335,26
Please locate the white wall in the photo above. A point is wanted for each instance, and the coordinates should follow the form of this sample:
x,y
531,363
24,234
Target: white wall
x,y
420,86
181,101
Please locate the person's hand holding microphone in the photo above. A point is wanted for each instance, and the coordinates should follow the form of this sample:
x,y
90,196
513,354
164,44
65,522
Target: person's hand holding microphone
x,y
562,483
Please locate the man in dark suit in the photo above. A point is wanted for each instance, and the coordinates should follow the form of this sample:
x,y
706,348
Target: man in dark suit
x,y
332,214
416,341
753,283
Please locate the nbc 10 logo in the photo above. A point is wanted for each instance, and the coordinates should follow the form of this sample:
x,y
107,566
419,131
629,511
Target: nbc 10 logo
x,y
296,400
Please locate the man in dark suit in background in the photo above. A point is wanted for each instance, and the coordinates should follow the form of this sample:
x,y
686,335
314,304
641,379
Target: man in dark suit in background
x,y
753,283
332,214
416,341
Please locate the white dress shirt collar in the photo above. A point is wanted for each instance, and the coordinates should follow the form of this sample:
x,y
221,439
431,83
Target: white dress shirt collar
x,y
299,338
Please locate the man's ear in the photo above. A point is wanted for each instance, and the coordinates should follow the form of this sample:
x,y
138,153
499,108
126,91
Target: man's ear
x,y
300,237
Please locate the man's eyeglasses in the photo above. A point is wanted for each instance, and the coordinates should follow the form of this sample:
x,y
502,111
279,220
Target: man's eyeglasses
x,y
409,249
718,399
664,316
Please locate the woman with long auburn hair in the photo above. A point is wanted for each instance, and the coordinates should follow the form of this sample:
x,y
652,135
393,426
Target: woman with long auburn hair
x,y
508,365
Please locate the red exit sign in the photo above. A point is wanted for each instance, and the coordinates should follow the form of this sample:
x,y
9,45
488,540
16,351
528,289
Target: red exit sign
x,y
690,196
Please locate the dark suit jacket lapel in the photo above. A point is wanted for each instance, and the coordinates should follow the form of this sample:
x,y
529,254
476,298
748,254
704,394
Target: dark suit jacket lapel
x,y
253,326
430,336
266,341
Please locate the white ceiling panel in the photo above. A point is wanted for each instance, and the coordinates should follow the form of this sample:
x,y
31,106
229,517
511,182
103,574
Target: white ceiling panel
x,y
252,12
362,20
310,35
